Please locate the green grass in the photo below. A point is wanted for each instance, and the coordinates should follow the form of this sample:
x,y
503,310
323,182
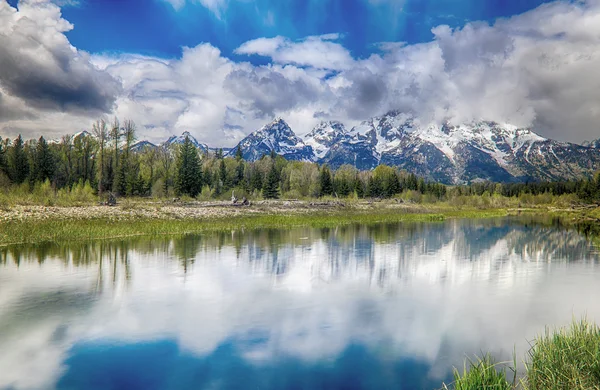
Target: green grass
x,y
562,359
481,374
566,359
57,230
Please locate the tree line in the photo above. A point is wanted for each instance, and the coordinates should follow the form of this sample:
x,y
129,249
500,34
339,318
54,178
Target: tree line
x,y
109,163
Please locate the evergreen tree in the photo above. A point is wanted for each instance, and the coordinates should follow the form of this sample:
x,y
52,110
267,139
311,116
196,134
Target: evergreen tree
x,y
325,181
189,171
238,154
18,166
44,166
375,187
223,174
359,188
120,182
219,154
273,154
239,173
3,162
271,186
256,180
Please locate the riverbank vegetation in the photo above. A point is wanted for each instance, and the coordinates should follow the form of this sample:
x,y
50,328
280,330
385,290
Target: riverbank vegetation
x,y
83,169
567,358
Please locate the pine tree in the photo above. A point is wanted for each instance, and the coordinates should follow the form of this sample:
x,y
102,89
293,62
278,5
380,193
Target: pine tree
x,y
189,171
359,188
271,186
120,182
223,175
3,163
18,166
44,163
326,181
256,180
238,154
239,173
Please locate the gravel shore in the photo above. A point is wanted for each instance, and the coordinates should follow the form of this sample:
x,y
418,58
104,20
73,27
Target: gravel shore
x,y
189,210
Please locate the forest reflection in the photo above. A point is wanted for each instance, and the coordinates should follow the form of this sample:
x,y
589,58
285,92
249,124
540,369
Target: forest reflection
x,y
385,250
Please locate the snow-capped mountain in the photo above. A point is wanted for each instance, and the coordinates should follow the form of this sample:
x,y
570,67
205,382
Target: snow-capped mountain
x,y
449,153
592,144
276,136
461,153
141,145
177,140
324,136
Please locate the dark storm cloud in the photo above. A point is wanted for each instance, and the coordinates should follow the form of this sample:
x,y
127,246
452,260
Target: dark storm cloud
x,y
267,91
39,66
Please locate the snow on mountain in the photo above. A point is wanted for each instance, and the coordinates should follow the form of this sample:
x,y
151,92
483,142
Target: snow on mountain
x,y
178,140
324,136
141,145
453,154
276,136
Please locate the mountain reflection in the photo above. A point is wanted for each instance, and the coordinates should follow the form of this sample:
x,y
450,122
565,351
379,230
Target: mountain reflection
x,y
392,295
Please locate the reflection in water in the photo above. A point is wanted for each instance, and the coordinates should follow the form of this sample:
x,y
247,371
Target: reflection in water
x,y
383,306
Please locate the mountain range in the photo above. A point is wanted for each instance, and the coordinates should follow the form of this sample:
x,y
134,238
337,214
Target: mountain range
x,y
450,153
447,153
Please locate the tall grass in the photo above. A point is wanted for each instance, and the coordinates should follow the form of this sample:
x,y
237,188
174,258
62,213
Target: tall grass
x,y
562,359
566,359
58,230
482,374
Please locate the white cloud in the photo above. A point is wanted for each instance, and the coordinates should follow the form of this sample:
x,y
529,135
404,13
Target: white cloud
x,y
42,76
539,68
316,51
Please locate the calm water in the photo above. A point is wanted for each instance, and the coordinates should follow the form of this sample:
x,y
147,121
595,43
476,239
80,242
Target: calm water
x,y
380,307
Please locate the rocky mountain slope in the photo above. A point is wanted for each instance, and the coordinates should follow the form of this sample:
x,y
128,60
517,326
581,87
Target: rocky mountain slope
x,y
449,153
276,136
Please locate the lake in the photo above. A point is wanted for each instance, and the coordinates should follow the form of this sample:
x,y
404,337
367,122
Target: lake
x,y
392,306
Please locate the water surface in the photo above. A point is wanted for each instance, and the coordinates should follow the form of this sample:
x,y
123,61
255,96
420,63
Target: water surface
x,y
392,306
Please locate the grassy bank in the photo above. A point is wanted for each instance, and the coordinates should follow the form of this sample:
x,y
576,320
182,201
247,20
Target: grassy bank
x,y
565,359
71,229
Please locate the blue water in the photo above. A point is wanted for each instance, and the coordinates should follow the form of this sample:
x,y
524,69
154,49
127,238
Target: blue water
x,y
379,307
163,365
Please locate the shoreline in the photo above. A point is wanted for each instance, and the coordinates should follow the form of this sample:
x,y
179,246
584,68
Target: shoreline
x,y
41,224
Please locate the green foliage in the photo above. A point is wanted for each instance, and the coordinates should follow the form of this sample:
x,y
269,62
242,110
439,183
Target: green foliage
x,y
271,186
189,171
18,166
3,162
326,181
566,359
481,374
44,166
238,154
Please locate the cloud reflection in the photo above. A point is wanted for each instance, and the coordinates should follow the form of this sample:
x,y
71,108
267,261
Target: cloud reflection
x,y
430,293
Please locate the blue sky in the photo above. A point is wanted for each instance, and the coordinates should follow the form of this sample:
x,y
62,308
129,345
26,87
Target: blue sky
x,y
221,69
155,27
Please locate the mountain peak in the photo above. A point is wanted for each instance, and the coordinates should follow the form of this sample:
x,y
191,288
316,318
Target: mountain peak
x,y
275,136
177,140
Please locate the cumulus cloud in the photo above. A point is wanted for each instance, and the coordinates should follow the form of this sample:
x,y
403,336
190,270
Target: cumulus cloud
x,y
535,69
38,64
41,73
316,51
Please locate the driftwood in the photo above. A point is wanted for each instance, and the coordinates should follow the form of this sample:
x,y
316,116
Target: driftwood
x,y
110,201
